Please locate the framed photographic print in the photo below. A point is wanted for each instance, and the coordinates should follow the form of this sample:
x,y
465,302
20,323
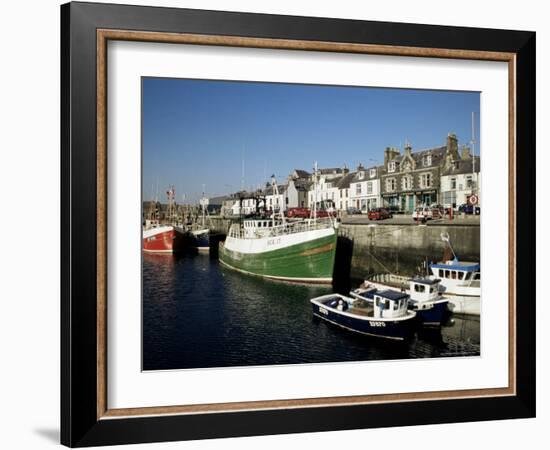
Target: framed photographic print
x,y
277,224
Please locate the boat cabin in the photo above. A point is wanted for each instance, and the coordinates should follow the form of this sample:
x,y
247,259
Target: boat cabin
x,y
389,303
457,272
424,289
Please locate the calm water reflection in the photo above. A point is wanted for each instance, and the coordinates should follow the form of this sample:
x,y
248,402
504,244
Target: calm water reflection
x,y
198,314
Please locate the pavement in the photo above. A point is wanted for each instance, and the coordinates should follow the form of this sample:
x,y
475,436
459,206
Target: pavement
x,y
406,219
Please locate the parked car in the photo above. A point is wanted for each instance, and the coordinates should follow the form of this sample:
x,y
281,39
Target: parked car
x,y
353,211
300,213
466,208
423,213
379,214
322,213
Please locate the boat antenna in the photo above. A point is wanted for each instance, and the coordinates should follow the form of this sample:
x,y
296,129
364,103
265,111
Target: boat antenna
x,y
445,237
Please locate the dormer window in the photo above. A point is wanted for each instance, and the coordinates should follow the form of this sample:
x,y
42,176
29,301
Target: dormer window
x,y
391,166
427,160
361,175
372,173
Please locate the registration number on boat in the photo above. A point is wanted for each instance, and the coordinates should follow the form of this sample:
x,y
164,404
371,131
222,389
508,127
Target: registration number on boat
x,y
376,324
323,311
274,241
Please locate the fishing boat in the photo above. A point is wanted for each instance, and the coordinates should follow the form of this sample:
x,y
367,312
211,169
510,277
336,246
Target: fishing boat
x,y
275,248
384,315
424,298
165,237
460,280
199,233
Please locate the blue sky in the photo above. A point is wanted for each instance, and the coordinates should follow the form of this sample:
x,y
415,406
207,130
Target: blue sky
x,y
196,132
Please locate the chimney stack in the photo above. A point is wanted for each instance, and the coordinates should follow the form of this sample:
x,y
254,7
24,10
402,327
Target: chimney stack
x,y
465,152
452,146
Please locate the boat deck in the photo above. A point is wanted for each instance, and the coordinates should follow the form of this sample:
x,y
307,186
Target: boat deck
x,y
361,311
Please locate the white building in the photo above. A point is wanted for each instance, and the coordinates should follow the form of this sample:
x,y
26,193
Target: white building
x,y
333,189
460,181
365,189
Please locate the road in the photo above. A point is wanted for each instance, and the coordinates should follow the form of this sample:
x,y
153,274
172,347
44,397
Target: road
x,y
406,219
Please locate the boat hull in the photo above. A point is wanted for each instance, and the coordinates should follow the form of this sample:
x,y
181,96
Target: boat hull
x,y
198,240
398,330
165,239
311,261
462,304
433,316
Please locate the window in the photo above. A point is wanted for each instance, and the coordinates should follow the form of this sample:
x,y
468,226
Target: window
x,y
372,173
441,273
361,175
460,275
469,181
427,160
426,180
391,166
453,274
477,276
447,274
390,184
419,287
358,188
369,187
406,183
453,183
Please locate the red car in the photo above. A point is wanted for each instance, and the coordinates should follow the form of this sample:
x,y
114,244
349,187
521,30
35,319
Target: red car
x,y
379,214
301,213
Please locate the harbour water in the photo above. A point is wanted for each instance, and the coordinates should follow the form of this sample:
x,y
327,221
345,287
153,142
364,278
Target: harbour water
x,y
198,314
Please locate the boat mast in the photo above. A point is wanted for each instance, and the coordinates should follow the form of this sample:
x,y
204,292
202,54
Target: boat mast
x,y
314,209
473,142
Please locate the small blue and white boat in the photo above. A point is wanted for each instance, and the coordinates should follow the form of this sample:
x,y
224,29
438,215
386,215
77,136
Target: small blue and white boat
x,y
384,315
424,298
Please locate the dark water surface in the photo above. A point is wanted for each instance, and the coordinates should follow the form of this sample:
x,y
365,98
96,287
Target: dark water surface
x,y
197,314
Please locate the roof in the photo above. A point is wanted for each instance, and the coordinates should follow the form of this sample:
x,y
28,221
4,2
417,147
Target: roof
x,y
344,182
218,200
269,189
392,295
302,173
463,166
458,265
331,170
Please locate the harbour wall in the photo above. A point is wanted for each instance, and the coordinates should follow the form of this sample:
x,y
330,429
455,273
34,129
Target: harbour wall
x,y
365,249
402,248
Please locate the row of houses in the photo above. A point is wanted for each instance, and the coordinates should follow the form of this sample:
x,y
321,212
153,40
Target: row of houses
x,y
440,175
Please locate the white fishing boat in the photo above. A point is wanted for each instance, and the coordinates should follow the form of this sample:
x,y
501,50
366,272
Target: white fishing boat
x,y
460,281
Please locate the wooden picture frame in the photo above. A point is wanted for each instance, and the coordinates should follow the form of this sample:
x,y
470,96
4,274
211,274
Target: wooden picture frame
x,y
85,417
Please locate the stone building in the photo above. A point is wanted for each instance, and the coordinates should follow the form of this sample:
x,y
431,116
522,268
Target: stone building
x,y
413,179
365,188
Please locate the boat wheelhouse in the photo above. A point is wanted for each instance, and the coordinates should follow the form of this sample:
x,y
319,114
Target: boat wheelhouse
x,y
385,315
